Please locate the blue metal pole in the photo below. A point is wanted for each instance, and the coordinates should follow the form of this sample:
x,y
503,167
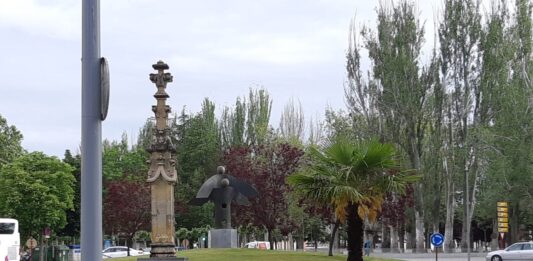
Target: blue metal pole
x,y
91,135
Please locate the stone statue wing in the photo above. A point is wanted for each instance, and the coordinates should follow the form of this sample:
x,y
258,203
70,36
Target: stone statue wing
x,y
242,187
241,199
208,186
198,201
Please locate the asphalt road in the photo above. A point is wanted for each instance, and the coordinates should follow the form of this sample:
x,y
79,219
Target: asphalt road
x,y
431,256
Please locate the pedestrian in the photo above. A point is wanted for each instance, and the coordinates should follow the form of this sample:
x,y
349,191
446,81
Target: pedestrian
x,y
367,246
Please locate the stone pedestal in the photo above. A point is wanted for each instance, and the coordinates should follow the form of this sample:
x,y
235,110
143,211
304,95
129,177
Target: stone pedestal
x,y
222,238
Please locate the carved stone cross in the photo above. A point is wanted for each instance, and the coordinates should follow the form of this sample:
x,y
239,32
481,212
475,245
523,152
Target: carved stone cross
x,y
162,175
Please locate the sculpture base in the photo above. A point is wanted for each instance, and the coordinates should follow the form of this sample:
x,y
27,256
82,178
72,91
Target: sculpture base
x,y
222,238
162,251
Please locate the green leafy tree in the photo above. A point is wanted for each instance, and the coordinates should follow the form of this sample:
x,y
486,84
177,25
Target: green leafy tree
x,y
142,236
232,125
198,144
37,190
508,52
460,35
403,86
181,234
292,123
72,228
10,139
258,117
354,178
247,123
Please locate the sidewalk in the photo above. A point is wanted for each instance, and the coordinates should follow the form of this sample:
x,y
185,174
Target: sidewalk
x,y
431,256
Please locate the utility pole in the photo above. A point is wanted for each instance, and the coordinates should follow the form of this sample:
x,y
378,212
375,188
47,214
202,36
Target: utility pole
x,y
93,111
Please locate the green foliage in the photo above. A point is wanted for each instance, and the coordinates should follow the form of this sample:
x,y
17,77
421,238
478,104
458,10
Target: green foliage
x,y
142,235
258,117
292,124
10,139
232,125
197,137
37,190
72,228
346,172
119,160
248,122
510,133
192,235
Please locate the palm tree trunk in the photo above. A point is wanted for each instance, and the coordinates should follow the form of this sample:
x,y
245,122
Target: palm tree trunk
x,y
355,234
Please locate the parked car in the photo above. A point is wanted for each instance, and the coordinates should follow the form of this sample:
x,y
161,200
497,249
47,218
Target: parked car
x,y
516,251
120,251
258,244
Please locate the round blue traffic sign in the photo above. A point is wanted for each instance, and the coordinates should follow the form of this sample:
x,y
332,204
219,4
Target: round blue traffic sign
x,y
437,239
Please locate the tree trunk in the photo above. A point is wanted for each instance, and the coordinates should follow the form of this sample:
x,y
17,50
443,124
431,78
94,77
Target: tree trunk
x,y
300,243
332,239
41,248
291,242
419,228
337,241
514,222
419,194
270,239
449,245
495,238
394,240
129,241
411,239
385,239
401,236
355,234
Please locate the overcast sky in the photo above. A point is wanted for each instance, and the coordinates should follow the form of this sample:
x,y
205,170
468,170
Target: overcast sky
x,y
215,48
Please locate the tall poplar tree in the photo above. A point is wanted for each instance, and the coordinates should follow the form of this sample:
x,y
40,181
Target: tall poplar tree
x,y
403,88
10,142
459,35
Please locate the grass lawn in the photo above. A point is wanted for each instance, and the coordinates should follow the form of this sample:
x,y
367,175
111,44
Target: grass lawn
x,y
254,255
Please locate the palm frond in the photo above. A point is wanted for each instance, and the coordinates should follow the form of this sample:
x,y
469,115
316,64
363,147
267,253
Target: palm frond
x,y
346,173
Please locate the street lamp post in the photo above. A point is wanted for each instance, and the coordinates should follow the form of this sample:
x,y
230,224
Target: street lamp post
x,y
91,133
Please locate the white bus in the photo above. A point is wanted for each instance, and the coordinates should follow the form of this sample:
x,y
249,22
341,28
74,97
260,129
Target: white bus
x,y
9,239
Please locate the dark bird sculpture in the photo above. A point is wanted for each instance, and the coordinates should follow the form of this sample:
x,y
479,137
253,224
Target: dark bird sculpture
x,y
223,189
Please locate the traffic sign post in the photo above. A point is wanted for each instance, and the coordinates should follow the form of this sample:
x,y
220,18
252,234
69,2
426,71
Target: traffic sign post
x,y
502,208
31,243
437,240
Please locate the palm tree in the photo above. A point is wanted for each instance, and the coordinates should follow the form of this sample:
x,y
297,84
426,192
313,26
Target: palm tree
x,y
354,178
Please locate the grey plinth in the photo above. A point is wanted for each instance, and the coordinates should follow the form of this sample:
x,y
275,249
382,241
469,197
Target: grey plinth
x,y
163,259
222,238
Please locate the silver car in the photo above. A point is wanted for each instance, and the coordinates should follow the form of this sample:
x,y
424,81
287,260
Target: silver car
x,y
516,251
120,251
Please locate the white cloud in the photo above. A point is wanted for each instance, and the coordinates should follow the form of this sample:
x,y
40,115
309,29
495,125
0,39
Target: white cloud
x,y
282,50
58,19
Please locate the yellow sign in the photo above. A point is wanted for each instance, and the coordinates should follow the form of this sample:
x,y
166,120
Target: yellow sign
x,y
503,229
502,214
502,204
502,209
505,225
503,220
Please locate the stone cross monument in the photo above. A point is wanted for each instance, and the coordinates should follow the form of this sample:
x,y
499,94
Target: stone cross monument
x,y
162,174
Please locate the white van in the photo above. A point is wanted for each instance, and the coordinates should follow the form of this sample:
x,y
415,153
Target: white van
x,y
9,239
258,244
